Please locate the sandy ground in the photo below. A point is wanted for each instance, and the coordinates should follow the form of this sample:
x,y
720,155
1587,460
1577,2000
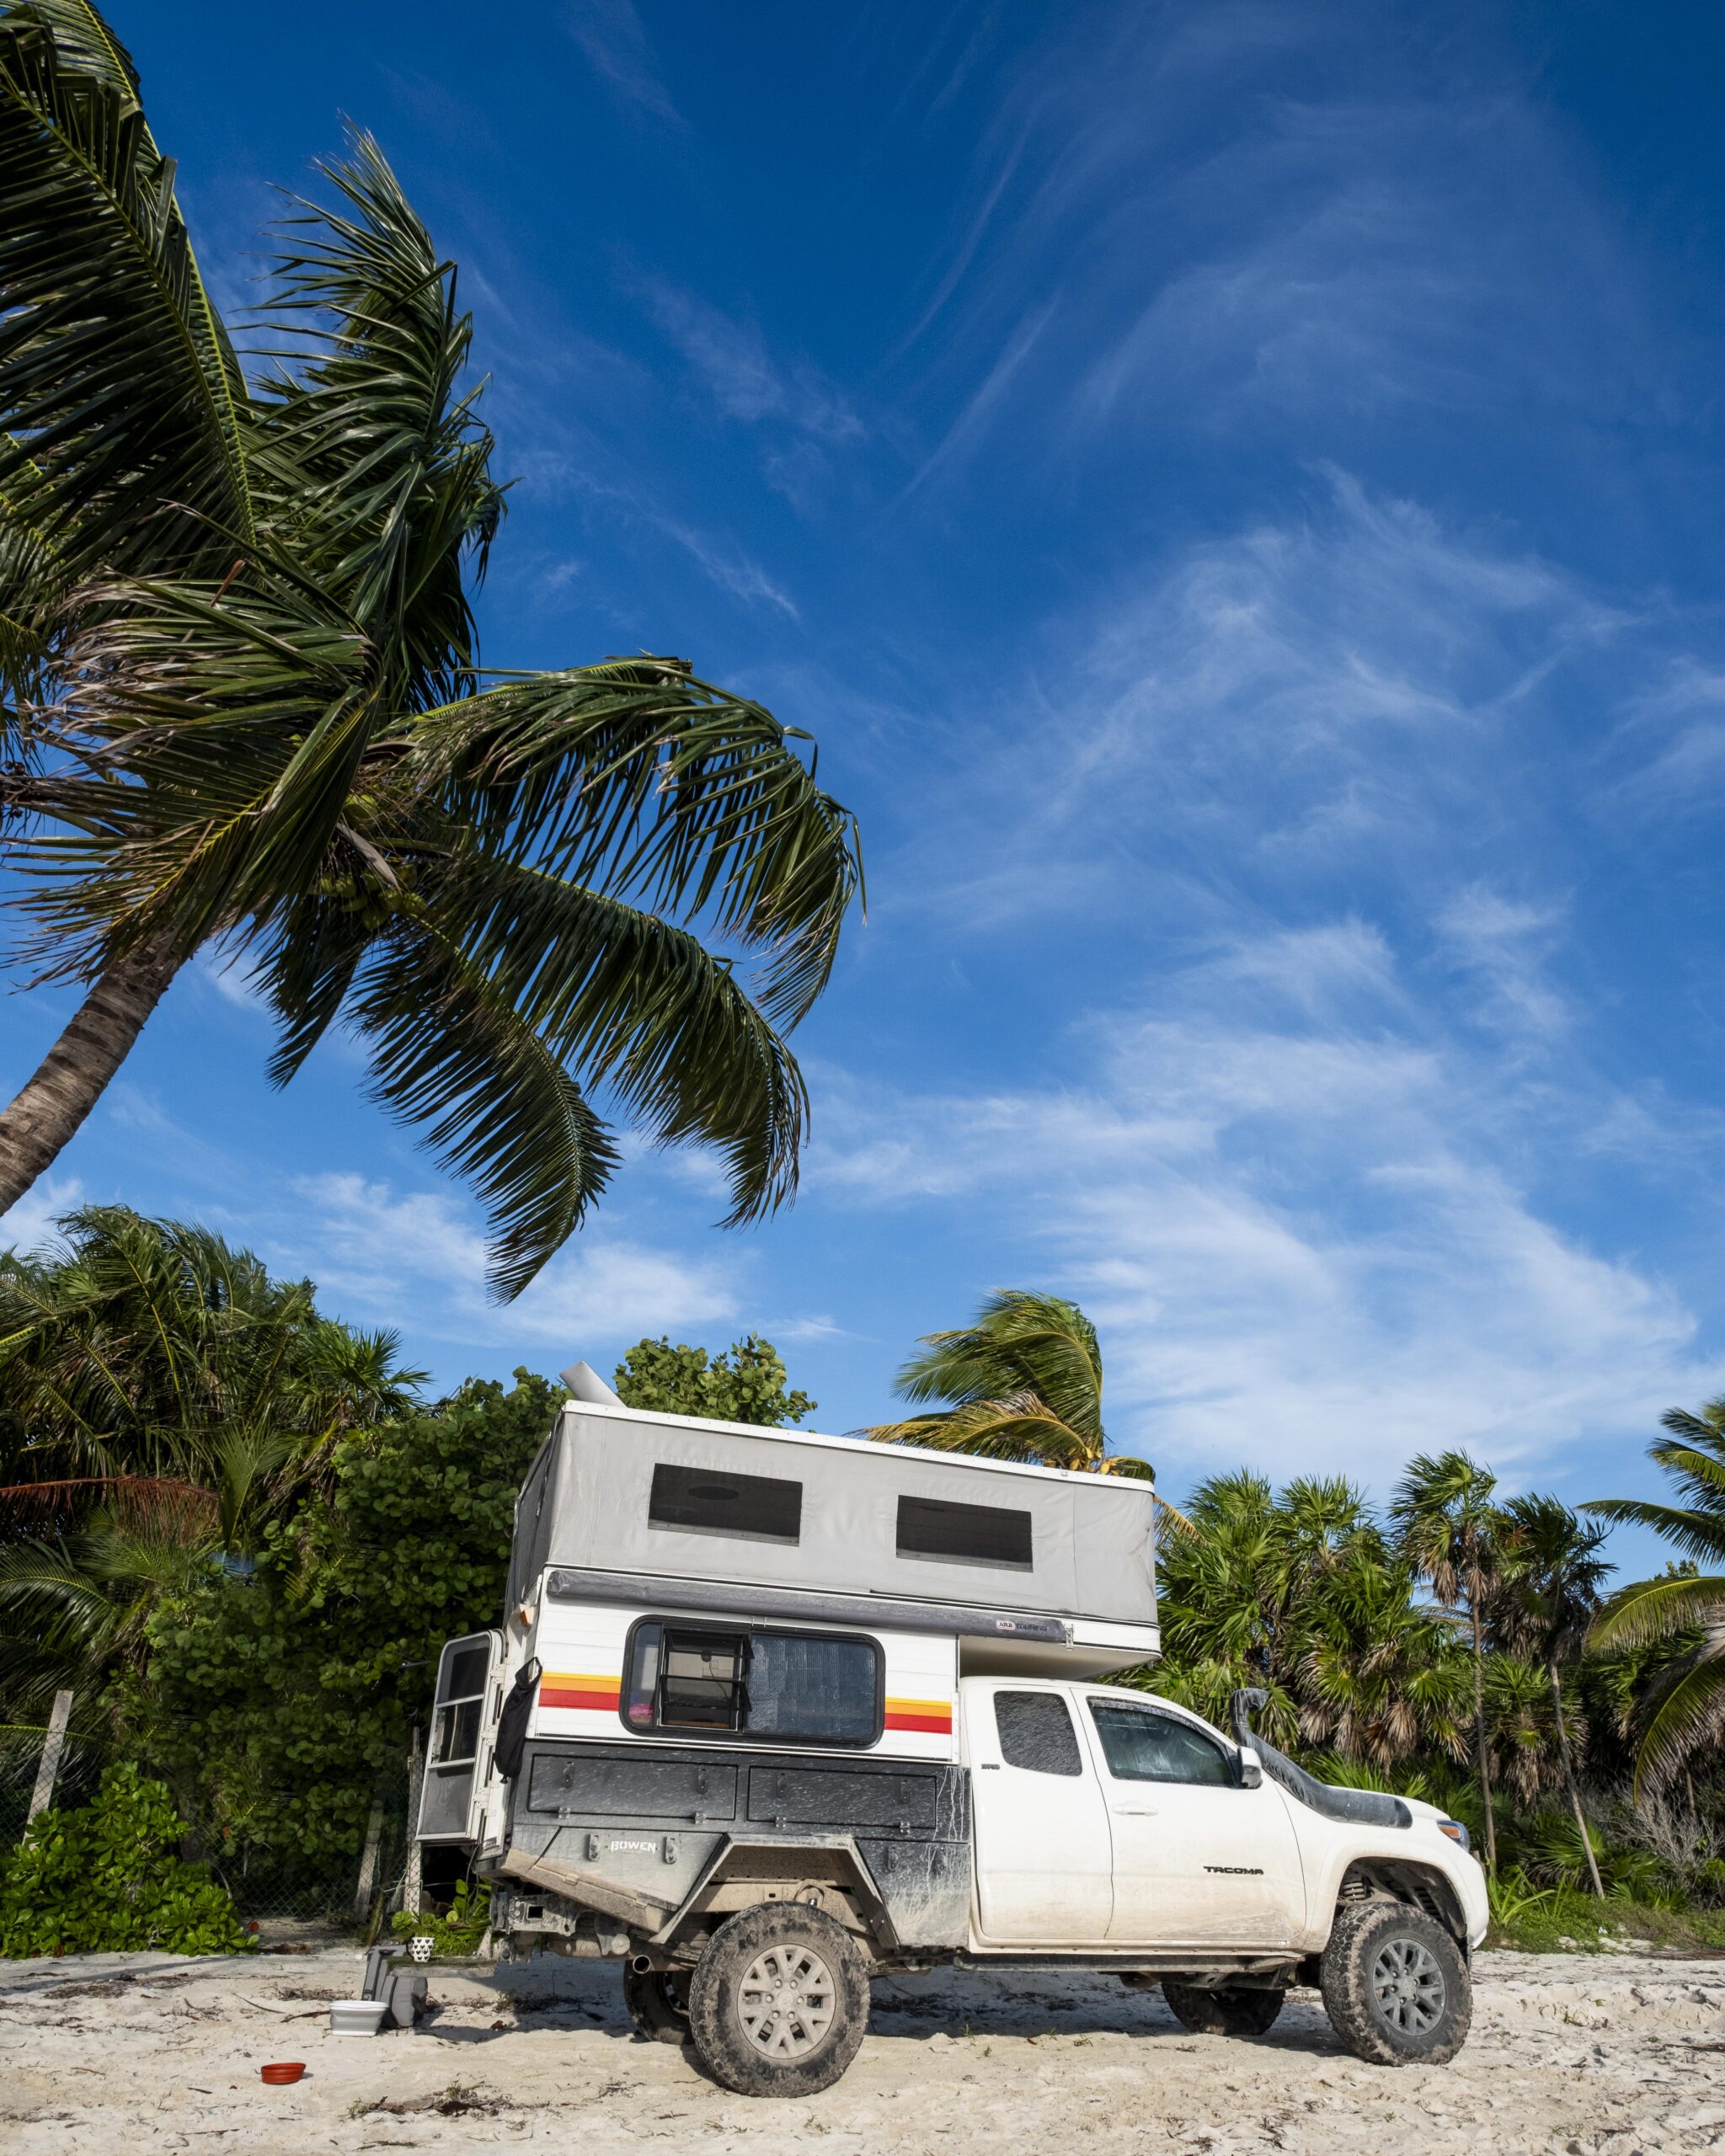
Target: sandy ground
x,y
122,2055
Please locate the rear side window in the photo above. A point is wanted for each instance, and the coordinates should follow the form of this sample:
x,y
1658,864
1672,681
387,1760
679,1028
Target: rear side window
x,y
964,1534
785,1687
1142,1746
710,1500
1036,1731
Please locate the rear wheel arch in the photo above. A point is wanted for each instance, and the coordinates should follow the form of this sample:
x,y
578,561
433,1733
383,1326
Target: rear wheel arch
x,y
830,1878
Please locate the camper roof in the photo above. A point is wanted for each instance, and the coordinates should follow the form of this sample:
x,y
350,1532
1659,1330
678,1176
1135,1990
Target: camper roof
x,y
621,1491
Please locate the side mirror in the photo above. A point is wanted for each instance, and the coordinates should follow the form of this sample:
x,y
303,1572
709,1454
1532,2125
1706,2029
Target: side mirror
x,y
1251,1771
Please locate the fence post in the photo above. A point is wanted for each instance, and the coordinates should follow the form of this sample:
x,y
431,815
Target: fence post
x,y
368,1862
413,1879
53,1745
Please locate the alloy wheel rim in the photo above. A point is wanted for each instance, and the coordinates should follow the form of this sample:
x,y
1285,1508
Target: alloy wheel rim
x,y
786,2002
1407,1986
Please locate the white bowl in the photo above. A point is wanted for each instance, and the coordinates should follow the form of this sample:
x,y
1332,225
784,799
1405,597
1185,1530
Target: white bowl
x,y
356,2017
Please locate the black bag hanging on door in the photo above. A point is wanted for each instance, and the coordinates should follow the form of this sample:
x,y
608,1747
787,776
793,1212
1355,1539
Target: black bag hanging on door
x,y
512,1722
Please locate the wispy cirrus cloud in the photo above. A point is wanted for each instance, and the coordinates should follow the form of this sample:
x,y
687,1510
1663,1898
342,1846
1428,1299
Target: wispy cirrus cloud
x,y
614,40
1333,687
730,359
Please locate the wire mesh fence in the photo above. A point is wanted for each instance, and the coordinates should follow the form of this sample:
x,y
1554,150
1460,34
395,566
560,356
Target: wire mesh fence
x,y
280,1890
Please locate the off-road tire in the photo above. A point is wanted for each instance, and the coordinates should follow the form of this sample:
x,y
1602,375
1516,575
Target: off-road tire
x,y
737,1982
1240,2013
1396,1986
658,2000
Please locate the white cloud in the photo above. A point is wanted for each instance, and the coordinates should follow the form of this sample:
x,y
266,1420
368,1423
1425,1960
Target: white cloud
x,y
392,1252
31,1223
732,360
1502,943
1287,1198
1337,690
615,40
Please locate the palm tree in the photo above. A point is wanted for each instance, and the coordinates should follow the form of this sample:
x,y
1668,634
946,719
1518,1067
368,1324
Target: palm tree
x,y
1301,1595
245,713
1024,1382
1685,1708
1442,1508
1552,1574
162,1401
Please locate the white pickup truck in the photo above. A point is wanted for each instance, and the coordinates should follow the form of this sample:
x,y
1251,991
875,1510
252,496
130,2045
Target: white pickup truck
x,y
1114,1830
740,1731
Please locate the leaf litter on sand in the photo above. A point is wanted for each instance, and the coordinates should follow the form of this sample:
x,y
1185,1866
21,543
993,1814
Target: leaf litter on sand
x,y
460,2099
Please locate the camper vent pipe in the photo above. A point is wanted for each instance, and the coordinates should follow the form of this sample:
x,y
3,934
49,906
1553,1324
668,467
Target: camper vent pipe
x,y
585,1382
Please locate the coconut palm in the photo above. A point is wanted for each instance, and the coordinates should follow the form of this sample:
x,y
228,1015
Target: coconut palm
x,y
1552,1573
1685,1707
247,714
1024,1382
1447,1523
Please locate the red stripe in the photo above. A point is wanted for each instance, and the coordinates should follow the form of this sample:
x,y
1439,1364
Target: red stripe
x,y
937,1725
554,1696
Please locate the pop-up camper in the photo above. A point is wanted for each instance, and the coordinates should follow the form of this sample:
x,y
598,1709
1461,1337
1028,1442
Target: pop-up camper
x,y
769,1711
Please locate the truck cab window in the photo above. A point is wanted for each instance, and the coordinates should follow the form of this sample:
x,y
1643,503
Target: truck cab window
x,y
1142,1746
1036,1731
804,1687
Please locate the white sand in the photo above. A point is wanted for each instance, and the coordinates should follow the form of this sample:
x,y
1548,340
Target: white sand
x,y
1568,2053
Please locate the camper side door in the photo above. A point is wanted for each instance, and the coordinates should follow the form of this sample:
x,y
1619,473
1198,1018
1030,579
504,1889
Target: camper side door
x,y
464,1726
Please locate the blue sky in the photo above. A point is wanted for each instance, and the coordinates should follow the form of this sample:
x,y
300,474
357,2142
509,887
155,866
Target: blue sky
x,y
1234,488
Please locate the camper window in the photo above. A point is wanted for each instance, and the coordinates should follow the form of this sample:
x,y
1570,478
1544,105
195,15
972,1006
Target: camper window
x,y
456,1739
711,1500
777,1688
964,1534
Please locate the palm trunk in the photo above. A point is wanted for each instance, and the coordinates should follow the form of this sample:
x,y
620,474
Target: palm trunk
x,y
45,1115
1587,1841
1479,1734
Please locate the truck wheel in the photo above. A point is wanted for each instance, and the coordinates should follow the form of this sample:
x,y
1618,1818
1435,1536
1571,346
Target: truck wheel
x,y
779,2001
658,2000
1222,2013
1394,1986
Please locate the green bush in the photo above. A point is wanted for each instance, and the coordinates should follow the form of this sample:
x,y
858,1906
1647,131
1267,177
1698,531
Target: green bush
x,y
280,1705
108,1878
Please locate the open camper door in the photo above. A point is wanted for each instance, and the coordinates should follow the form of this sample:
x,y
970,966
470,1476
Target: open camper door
x,y
464,1726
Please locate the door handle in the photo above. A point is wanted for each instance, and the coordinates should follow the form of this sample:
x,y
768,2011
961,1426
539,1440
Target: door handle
x,y
1136,1811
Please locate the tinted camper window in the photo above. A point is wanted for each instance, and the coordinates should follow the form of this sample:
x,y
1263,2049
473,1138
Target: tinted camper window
x,y
963,1535
785,1687
713,1500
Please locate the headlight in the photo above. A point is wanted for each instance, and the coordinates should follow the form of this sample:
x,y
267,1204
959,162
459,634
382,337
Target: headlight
x,y
1456,1832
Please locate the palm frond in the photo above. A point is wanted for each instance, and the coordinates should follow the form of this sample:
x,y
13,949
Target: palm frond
x,y
449,1052
1694,1534
1688,1715
369,452
119,397
1653,1609
664,790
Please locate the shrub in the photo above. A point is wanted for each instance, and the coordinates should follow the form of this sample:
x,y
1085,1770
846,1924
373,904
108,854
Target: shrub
x,y
108,1878
460,1928
281,1705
